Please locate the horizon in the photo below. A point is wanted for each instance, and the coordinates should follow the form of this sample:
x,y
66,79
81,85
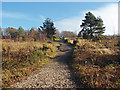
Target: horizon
x,y
33,14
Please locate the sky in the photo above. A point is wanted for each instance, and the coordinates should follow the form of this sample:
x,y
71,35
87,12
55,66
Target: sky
x,y
65,15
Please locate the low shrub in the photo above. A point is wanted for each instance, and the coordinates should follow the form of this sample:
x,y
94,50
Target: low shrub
x,y
56,37
45,47
66,40
75,42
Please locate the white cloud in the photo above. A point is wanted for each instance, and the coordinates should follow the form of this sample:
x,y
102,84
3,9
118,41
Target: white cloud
x,y
17,15
108,13
70,24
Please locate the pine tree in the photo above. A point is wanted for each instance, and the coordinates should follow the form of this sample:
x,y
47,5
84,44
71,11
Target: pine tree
x,y
92,27
99,28
11,32
48,28
21,33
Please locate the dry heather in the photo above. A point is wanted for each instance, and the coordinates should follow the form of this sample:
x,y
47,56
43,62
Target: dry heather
x,y
97,64
20,59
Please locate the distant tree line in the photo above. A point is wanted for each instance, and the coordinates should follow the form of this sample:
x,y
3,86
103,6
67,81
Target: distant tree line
x,y
68,34
23,35
92,28
40,34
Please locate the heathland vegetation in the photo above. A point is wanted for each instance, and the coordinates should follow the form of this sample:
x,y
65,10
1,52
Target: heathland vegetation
x,y
95,59
96,64
26,51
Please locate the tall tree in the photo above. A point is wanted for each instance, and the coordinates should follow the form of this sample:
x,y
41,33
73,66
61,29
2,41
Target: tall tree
x,y
41,35
32,33
26,35
11,32
1,33
91,26
48,28
99,27
21,33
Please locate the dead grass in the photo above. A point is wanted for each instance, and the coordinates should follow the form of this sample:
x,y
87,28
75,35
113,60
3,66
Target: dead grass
x,y
20,59
16,46
97,64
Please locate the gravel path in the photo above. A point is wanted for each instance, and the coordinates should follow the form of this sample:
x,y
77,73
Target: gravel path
x,y
54,74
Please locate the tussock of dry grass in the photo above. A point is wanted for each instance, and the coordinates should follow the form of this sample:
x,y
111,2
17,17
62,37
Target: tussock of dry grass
x,y
16,46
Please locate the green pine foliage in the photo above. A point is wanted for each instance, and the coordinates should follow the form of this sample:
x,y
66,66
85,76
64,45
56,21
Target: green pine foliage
x,y
48,28
92,27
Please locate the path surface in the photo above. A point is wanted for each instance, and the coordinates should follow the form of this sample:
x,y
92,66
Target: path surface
x,y
54,74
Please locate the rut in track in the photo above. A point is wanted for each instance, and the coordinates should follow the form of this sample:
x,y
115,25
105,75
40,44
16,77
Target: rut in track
x,y
54,74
